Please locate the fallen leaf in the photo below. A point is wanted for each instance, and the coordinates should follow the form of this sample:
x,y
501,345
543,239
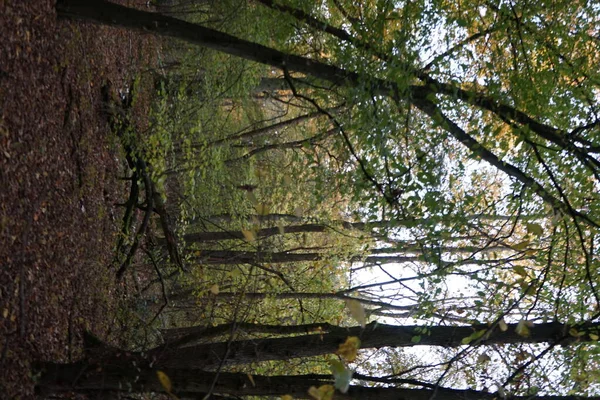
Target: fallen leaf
x,y
214,289
165,381
349,349
248,235
324,392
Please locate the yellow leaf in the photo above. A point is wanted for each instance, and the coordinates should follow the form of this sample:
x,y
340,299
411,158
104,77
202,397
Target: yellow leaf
x,y
349,349
249,235
324,392
522,329
214,289
298,212
357,311
593,336
165,381
262,209
286,397
502,325
251,380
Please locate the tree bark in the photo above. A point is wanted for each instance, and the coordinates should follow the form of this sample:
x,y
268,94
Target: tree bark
x,y
231,257
248,136
90,379
408,222
374,335
272,231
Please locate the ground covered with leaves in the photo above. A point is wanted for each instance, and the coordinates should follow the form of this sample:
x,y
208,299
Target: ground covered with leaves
x,y
60,170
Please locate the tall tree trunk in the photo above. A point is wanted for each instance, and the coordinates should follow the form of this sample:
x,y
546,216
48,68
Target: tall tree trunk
x,y
327,339
231,257
90,379
253,134
272,231
296,144
408,222
374,335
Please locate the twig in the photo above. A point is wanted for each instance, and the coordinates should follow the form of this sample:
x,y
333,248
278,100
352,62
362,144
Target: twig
x,y
162,284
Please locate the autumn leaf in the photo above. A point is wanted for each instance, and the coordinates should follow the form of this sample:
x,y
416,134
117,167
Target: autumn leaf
x,y
502,325
165,382
324,392
214,289
249,235
522,328
349,349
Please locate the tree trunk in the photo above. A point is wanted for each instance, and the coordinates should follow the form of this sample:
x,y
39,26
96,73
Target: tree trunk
x,y
231,257
295,144
253,134
361,226
91,379
327,339
267,232
374,335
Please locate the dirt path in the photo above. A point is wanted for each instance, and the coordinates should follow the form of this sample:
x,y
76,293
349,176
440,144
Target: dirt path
x,y
59,169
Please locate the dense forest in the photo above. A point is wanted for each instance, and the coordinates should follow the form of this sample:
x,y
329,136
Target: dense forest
x,y
352,200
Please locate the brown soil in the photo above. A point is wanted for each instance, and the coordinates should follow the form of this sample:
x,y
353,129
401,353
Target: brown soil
x,y
59,182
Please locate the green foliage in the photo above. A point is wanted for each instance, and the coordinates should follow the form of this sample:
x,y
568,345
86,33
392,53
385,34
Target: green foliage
x,y
496,223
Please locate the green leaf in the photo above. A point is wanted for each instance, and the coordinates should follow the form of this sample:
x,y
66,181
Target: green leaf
x,y
520,270
535,229
474,336
521,246
341,375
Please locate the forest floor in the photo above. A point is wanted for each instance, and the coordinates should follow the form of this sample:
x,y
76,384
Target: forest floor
x,y
60,169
